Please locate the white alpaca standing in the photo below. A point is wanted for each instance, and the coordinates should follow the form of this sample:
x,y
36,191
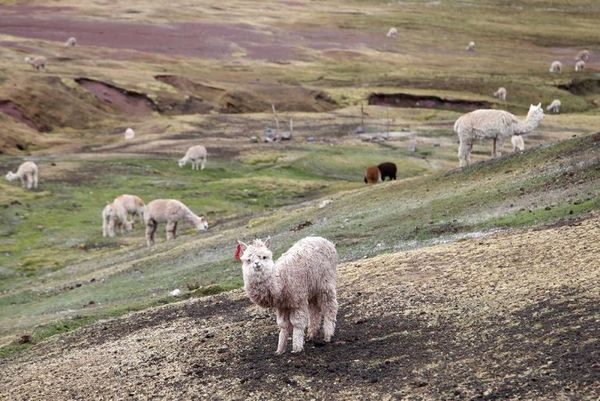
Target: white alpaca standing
x,y
129,134
392,33
133,205
27,173
518,144
301,286
556,66
114,217
500,93
195,154
169,211
71,42
39,62
583,55
579,66
554,107
471,46
497,125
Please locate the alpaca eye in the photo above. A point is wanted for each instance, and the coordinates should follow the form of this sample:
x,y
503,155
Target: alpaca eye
x,y
264,257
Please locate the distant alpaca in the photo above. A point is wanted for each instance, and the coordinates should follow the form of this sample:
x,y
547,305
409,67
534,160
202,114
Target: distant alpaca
x,y
556,66
471,46
27,173
583,55
500,93
372,175
129,134
579,66
301,286
387,170
195,154
39,62
518,145
71,42
392,33
497,125
133,205
114,217
554,107
169,211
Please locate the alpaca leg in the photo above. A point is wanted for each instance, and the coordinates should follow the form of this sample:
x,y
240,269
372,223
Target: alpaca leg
x,y
299,321
111,227
151,227
104,227
494,148
285,327
35,180
171,230
499,145
23,181
329,308
29,181
314,320
464,152
203,163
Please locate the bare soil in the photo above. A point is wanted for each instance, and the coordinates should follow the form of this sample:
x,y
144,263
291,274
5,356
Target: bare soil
x,y
509,316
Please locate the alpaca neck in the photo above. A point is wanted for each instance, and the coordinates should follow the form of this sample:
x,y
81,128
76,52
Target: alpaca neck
x,y
191,217
529,124
263,290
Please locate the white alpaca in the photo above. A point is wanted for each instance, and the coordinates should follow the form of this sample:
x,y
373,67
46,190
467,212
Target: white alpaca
x,y
195,154
133,205
497,125
583,55
471,46
169,211
27,173
579,66
554,107
500,93
129,134
71,42
556,66
392,33
114,216
39,62
301,286
518,145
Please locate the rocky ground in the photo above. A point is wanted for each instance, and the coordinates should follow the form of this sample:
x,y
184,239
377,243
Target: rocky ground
x,y
513,315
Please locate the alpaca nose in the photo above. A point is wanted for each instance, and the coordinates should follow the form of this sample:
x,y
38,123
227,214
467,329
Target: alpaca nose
x,y
257,265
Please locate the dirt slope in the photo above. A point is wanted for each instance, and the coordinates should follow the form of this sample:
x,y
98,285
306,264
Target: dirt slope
x,y
505,316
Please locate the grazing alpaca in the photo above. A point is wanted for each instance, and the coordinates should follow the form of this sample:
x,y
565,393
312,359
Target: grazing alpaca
x,y
133,205
518,145
27,173
195,154
39,62
500,93
372,175
392,33
579,66
556,66
114,216
301,286
129,134
471,46
497,125
71,42
554,107
169,211
583,55
387,170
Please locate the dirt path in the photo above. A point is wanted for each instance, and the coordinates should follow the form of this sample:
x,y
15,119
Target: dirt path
x,y
508,316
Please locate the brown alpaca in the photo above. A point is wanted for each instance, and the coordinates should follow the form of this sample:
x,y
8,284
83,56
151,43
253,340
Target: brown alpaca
x,y
372,175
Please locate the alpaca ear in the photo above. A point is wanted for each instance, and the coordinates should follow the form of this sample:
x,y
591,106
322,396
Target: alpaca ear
x,y
539,106
268,242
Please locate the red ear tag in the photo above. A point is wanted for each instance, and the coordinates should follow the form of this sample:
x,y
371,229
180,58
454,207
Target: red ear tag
x,y
238,251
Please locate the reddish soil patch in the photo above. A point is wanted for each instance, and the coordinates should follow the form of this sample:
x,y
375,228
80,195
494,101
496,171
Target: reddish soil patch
x,y
200,39
120,99
427,102
13,110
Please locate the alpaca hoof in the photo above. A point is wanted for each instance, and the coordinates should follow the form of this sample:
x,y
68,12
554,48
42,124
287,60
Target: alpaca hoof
x,y
297,351
279,352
